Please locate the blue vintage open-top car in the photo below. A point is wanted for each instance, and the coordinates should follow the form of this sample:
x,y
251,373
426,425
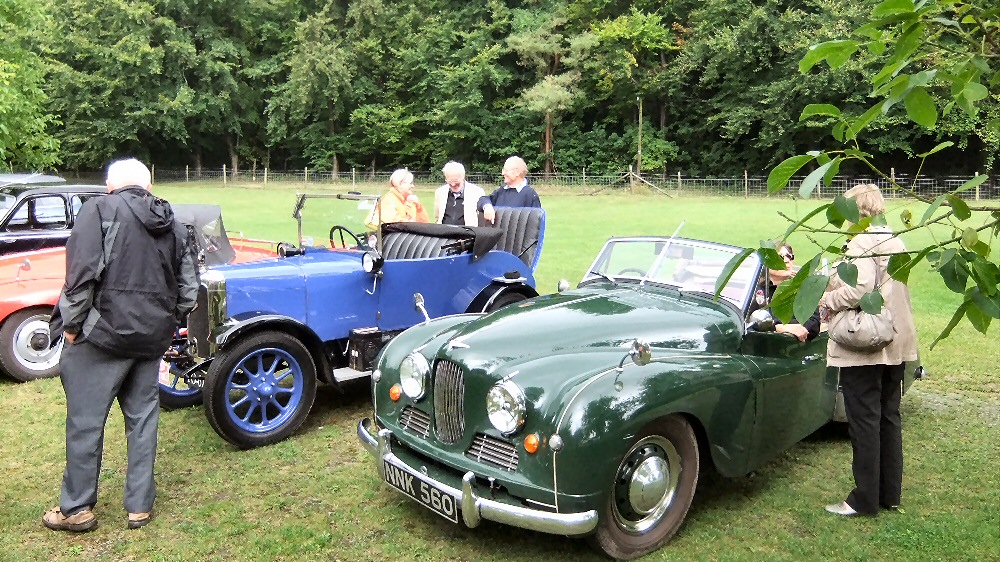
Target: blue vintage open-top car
x,y
266,332
593,411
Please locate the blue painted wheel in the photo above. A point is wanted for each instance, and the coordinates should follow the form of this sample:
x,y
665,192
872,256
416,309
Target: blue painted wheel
x,y
260,390
175,391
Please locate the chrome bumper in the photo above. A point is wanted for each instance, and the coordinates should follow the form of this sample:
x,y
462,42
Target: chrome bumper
x,y
476,508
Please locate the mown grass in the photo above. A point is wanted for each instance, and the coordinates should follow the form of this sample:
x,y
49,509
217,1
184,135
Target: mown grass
x,y
317,496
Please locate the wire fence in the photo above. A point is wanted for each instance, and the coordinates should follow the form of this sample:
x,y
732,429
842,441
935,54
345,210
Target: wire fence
x,y
676,184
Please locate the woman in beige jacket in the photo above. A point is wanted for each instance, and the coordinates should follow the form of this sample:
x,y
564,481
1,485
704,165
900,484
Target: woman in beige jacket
x,y
872,382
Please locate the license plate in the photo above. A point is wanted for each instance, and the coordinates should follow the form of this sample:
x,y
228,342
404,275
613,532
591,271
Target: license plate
x,y
426,494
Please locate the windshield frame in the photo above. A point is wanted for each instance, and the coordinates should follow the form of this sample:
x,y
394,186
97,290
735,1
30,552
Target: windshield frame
x,y
672,251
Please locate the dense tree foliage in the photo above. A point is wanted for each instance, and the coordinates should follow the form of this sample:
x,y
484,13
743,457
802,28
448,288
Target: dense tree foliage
x,y
26,141
376,84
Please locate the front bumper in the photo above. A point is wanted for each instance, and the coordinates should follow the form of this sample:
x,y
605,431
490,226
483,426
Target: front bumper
x,y
475,508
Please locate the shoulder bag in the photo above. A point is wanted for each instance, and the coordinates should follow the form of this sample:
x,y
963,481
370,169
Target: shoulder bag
x,y
858,330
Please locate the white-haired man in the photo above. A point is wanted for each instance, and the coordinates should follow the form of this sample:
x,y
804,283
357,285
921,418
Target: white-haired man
x,y
514,193
455,201
131,277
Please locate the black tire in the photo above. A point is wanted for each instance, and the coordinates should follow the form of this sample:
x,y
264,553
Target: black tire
x,y
663,464
25,351
260,390
503,300
175,392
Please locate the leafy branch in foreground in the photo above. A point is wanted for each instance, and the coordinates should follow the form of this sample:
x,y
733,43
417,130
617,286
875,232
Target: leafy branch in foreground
x,y
933,53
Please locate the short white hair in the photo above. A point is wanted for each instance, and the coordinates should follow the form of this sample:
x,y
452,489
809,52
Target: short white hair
x,y
453,168
129,172
399,176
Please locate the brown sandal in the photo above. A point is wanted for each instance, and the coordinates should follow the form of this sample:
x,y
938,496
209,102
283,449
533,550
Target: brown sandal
x,y
80,522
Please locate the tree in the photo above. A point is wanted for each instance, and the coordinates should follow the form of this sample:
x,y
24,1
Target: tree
x,y
25,137
943,52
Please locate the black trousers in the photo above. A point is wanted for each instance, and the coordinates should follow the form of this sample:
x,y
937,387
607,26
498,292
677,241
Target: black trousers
x,y
871,397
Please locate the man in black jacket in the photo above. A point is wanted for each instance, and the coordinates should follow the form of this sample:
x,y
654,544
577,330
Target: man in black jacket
x,y
131,277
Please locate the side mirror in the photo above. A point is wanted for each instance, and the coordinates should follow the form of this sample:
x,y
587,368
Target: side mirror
x,y
562,285
287,249
761,320
23,266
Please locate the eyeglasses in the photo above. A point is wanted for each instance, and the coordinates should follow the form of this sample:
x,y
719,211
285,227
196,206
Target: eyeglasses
x,y
788,256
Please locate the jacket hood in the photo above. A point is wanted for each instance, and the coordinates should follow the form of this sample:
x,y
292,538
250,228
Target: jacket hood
x,y
154,213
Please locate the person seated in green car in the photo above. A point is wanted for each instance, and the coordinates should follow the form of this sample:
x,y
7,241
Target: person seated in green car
x,y
807,330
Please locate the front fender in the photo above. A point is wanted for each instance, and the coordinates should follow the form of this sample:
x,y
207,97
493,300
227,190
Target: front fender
x,y
236,330
602,417
495,290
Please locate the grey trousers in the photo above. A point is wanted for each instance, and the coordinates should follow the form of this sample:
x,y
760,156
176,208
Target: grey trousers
x,y
92,378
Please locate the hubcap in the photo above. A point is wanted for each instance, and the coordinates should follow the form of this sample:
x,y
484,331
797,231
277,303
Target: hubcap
x,y
645,484
264,390
31,344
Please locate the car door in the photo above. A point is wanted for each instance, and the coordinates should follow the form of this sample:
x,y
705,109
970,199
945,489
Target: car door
x,y
37,222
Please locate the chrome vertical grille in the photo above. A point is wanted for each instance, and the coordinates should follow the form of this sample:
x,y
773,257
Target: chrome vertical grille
x,y
449,401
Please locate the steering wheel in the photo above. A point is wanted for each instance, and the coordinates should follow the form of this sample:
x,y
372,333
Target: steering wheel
x,y
628,270
341,232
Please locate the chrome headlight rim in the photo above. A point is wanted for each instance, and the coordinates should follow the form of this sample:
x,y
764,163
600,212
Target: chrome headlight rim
x,y
506,407
414,372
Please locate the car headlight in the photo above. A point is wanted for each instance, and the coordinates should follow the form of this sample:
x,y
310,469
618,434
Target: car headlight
x,y
413,373
505,405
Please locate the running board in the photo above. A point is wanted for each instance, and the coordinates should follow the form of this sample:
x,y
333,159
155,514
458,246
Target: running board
x,y
348,374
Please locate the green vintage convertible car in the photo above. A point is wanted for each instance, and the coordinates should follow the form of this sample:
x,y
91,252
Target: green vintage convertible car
x,y
591,412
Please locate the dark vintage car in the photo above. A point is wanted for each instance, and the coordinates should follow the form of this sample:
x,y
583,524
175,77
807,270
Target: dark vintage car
x,y
36,215
30,283
265,333
592,412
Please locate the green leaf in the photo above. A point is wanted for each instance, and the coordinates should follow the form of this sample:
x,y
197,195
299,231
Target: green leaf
x,y
808,295
730,268
955,319
857,125
890,7
812,180
959,207
832,172
920,107
974,182
771,259
899,267
969,238
906,216
835,53
932,209
989,306
872,302
814,109
979,321
975,91
848,273
986,274
936,149
779,176
848,208
955,274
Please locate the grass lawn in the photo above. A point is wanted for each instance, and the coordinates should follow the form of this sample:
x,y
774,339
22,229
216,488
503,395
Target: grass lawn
x,y
317,495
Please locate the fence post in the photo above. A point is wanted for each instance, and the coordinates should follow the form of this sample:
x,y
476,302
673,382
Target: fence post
x,y
977,187
152,173
678,183
223,175
265,175
187,173
353,176
585,177
307,175
746,185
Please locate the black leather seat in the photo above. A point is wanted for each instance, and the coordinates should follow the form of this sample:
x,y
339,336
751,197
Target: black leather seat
x,y
412,246
523,230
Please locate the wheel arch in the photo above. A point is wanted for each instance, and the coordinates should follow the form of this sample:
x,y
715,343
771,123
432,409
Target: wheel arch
x,y
495,290
290,326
